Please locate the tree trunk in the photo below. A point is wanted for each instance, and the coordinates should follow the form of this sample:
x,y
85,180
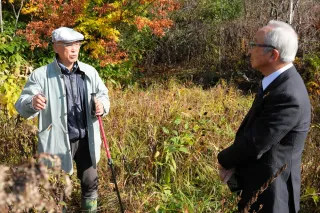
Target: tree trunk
x,y
1,22
291,11
16,14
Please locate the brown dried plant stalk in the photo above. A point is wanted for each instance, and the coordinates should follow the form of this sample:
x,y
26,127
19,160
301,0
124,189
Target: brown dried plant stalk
x,y
34,186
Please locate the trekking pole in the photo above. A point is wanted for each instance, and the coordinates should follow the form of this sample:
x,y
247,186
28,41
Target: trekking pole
x,y
107,150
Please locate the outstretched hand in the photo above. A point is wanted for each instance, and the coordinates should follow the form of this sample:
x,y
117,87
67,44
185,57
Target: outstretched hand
x,y
39,102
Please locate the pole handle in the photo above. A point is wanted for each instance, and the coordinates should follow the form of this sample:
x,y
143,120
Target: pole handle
x,y
93,104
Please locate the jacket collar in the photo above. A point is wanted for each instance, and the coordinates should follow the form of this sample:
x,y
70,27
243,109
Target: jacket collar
x,y
281,78
58,69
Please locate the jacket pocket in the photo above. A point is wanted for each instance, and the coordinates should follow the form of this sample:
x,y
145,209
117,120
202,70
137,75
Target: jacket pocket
x,y
43,139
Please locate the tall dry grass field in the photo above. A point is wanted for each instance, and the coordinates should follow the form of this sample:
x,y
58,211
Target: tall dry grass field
x,y
164,141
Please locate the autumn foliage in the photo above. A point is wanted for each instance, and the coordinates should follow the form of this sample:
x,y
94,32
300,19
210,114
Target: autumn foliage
x,y
48,15
98,21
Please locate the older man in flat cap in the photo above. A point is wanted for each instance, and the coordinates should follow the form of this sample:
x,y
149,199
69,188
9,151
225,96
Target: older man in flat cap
x,y
60,94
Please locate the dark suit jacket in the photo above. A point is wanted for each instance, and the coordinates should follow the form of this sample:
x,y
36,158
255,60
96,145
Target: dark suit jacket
x,y
271,135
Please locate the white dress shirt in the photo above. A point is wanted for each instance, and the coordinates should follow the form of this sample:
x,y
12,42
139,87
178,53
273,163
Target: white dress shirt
x,y
268,80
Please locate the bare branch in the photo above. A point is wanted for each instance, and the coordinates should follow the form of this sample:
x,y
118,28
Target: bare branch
x,y
16,15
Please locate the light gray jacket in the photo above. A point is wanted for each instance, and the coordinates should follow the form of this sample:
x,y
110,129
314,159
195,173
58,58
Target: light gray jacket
x,y
53,135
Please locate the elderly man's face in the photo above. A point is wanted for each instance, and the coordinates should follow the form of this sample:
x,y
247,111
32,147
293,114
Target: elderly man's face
x,y
259,59
68,52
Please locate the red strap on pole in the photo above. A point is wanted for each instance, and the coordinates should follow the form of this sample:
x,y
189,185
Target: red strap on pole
x,y
104,137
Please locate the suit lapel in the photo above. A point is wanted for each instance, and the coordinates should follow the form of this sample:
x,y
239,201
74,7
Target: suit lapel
x,y
256,101
274,84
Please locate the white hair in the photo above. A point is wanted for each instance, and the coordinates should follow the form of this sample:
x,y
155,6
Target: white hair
x,y
284,38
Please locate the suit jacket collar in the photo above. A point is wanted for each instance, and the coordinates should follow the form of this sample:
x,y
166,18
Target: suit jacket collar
x,y
268,79
259,98
280,79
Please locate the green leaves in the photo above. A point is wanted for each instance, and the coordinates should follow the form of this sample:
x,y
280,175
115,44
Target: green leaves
x,y
177,142
311,193
165,130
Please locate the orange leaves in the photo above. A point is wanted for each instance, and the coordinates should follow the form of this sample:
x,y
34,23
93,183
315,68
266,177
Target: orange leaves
x,y
157,25
159,20
165,6
106,8
37,33
160,8
106,52
47,16
141,22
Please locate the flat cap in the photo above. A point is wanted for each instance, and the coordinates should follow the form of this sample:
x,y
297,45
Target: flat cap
x,y
66,35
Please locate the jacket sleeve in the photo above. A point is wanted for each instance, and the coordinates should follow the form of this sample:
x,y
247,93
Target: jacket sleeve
x,y
24,103
278,116
102,94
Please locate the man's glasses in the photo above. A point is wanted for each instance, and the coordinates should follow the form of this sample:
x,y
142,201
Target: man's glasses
x,y
76,44
253,44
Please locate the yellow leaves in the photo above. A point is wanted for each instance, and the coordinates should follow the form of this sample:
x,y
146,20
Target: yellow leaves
x,y
9,92
12,77
29,9
101,36
111,34
96,48
314,89
114,16
313,84
116,4
156,154
98,1
5,39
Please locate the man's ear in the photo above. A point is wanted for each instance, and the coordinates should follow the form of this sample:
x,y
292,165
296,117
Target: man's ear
x,y
54,48
275,55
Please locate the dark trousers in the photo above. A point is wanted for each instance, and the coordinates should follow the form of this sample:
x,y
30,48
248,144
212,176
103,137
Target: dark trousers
x,y
269,209
87,175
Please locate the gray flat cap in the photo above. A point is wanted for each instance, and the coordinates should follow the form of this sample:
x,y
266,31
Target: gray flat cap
x,y
66,35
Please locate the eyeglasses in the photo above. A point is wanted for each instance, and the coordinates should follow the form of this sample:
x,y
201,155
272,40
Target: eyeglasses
x,y
253,44
77,44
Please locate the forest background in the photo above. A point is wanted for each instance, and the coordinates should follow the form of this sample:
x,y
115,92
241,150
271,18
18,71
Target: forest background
x,y
180,83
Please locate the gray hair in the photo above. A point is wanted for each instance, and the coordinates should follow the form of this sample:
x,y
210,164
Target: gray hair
x,y
284,38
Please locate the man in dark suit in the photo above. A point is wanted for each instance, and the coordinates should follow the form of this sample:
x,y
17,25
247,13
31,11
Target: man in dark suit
x,y
274,130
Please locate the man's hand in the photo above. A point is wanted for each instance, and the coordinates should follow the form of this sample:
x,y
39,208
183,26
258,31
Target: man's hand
x,y
39,102
225,174
99,107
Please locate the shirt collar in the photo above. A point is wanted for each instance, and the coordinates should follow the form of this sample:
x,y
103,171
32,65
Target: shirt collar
x,y
65,70
266,81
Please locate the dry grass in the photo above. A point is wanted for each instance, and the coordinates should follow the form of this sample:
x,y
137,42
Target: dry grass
x,y
164,140
202,121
